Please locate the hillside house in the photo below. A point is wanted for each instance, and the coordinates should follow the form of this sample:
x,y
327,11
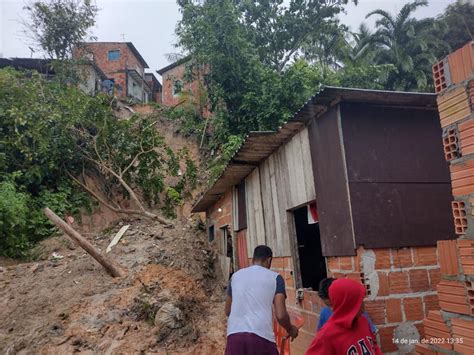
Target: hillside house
x,y
178,90
354,185
91,79
123,64
155,86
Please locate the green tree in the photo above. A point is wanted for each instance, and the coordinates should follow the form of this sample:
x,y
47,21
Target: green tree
x,y
59,26
250,50
283,31
359,49
408,44
237,81
459,20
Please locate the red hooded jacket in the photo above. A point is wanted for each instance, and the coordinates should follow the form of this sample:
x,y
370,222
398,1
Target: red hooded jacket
x,y
346,332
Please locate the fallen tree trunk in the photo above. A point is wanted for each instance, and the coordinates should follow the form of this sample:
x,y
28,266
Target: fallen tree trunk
x,y
109,265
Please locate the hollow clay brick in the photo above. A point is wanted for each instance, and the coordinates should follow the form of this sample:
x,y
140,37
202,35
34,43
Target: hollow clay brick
x,y
402,258
413,308
448,257
394,310
419,281
398,282
425,256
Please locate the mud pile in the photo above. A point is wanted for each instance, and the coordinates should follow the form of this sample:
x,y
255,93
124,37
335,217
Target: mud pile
x,y
171,302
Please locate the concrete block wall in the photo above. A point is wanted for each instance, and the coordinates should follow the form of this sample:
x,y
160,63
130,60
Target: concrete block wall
x,y
452,328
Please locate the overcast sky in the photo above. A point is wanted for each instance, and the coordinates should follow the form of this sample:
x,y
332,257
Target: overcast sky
x,y
150,24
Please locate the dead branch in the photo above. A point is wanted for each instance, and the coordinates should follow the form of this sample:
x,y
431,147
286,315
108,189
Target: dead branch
x,y
109,265
143,213
103,166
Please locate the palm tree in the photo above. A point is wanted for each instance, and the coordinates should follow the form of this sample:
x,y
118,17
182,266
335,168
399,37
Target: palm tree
x,y
406,43
359,49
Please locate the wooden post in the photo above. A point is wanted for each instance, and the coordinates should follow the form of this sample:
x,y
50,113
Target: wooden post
x,y
110,266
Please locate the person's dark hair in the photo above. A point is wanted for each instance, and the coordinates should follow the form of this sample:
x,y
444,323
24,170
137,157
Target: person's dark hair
x,y
324,287
262,252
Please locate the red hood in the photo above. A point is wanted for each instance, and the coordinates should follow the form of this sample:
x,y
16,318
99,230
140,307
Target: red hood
x,y
346,298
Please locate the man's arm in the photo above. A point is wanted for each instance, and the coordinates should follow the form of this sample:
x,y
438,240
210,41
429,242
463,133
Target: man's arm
x,y
228,305
228,300
281,313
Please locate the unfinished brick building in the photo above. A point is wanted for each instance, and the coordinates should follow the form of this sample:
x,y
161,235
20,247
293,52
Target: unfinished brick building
x,y
354,185
123,64
452,328
178,89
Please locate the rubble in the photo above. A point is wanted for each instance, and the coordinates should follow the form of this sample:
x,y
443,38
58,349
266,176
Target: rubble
x,y
170,302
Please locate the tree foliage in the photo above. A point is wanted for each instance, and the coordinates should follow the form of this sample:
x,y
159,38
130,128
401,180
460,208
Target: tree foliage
x,y
459,20
283,31
406,43
52,137
59,26
253,80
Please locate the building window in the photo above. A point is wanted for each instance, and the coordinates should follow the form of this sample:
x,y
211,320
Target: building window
x,y
113,55
240,207
177,87
211,235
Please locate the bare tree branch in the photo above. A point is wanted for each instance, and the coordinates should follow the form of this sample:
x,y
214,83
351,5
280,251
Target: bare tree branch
x,y
143,212
139,154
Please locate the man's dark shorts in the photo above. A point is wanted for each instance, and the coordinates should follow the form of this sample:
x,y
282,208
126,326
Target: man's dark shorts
x,y
249,344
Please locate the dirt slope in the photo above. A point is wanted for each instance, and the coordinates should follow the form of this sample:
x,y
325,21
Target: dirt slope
x,y
66,305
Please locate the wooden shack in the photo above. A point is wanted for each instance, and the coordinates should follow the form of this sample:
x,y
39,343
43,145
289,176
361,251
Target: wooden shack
x,y
354,185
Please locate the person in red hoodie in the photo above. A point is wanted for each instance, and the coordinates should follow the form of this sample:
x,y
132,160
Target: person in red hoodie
x,y
346,332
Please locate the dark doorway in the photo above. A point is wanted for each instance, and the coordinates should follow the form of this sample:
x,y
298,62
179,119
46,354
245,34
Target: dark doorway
x,y
312,261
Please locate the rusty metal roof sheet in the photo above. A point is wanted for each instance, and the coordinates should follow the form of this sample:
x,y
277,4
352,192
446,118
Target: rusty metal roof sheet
x,y
257,146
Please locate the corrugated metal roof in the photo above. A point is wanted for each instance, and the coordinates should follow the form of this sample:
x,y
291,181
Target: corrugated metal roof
x,y
259,145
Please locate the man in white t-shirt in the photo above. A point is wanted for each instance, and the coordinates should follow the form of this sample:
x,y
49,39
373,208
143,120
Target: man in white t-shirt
x,y
251,294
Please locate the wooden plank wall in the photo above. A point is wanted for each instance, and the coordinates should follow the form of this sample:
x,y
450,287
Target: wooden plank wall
x,y
280,183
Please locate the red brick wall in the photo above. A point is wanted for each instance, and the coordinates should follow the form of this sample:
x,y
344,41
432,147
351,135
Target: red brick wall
x,y
194,89
309,308
401,288
100,50
224,217
452,328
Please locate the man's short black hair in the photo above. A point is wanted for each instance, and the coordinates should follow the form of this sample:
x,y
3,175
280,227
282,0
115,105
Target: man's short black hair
x,y
323,291
262,252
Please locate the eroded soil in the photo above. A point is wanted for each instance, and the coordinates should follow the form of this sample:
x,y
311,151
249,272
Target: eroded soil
x,y
171,302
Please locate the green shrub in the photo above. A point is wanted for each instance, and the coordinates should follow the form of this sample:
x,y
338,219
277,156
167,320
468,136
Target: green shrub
x,y
14,213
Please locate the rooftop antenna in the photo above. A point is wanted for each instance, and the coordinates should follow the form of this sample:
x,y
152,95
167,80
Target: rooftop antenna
x,y
123,36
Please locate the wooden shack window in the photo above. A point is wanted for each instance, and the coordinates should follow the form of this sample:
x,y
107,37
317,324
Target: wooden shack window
x,y
241,207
